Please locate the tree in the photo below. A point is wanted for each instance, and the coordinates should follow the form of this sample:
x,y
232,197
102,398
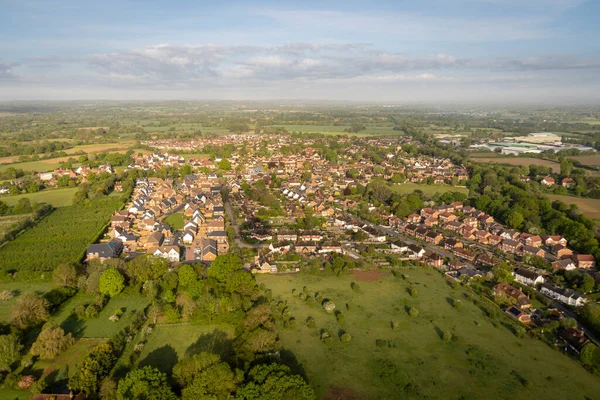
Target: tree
x,y
145,268
65,275
51,342
10,351
274,382
503,273
590,354
223,266
111,282
146,383
225,165
30,310
187,275
587,283
204,375
514,219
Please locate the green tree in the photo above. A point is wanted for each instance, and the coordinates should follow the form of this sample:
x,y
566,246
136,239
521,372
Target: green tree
x,y
223,266
514,219
65,275
145,268
146,383
111,282
30,310
590,355
10,351
274,382
503,273
225,165
187,276
51,342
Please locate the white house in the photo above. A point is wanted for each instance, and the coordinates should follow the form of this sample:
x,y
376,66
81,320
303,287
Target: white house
x,y
565,296
528,277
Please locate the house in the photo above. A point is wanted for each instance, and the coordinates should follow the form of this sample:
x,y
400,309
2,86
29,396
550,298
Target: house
x,y
433,259
504,289
287,235
399,247
532,251
517,314
331,247
567,182
510,245
171,253
415,252
585,261
306,247
548,181
575,338
311,236
528,277
564,264
188,236
452,243
155,239
565,296
104,251
552,240
433,237
561,251
531,240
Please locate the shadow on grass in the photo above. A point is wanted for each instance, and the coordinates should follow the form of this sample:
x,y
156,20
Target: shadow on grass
x,y
289,358
73,325
217,342
164,359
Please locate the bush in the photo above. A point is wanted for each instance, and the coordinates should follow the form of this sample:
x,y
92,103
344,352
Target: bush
x,y
447,336
412,291
310,322
381,343
457,304
355,286
6,295
413,312
341,318
92,311
345,337
79,311
329,306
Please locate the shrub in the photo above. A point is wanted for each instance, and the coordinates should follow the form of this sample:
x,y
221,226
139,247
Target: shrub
x,y
447,336
92,311
355,286
79,311
345,337
412,291
329,306
413,312
394,325
348,306
341,318
6,295
26,382
457,304
310,322
381,343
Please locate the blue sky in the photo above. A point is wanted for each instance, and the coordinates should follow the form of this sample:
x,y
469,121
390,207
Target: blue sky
x,y
428,51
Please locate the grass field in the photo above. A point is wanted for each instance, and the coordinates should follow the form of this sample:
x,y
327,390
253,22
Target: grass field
x,y
406,188
14,394
589,207
72,357
55,197
485,361
555,167
175,221
18,289
9,220
592,161
339,130
171,343
99,327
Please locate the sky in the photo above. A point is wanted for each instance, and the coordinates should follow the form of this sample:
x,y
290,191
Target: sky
x,y
401,51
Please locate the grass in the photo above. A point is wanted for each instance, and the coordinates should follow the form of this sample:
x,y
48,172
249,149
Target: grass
x,y
339,130
555,167
99,327
14,394
175,221
406,188
485,361
72,357
20,288
593,161
169,344
9,220
588,207
55,197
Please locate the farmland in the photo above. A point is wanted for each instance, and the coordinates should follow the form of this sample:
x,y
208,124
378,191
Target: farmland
x,y
54,197
482,360
406,188
7,221
592,161
61,237
339,130
525,161
588,207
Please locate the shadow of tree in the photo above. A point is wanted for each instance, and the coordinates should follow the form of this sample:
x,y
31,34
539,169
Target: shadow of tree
x,y
217,342
73,325
439,331
289,358
164,358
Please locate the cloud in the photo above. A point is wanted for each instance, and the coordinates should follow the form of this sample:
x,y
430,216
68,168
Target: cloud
x,y
6,71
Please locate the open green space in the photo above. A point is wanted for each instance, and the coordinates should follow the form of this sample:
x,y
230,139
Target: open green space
x,y
593,160
187,156
55,197
14,394
18,289
7,221
99,327
588,207
406,188
169,344
72,357
175,221
526,161
61,237
483,360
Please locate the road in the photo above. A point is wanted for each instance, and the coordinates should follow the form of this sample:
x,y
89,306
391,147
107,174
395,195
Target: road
x,y
236,229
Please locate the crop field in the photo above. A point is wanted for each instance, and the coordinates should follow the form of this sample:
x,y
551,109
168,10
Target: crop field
x,y
171,343
9,220
86,148
407,188
588,207
483,359
555,167
55,197
593,161
339,130
61,237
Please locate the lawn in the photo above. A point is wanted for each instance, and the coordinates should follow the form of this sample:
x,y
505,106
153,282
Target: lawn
x,y
175,221
14,394
485,361
99,327
9,220
555,167
72,357
588,207
169,344
55,197
19,288
406,188
36,166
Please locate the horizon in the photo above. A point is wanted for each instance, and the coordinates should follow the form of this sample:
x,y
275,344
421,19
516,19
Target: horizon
x,y
465,52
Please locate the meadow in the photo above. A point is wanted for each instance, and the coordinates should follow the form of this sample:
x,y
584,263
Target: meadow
x,y
444,352
526,161
18,289
593,161
407,188
588,207
55,197
9,220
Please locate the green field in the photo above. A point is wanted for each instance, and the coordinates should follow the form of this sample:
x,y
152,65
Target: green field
x,y
9,220
484,361
339,130
99,327
406,188
72,357
593,161
171,343
526,161
175,221
19,288
55,197
588,207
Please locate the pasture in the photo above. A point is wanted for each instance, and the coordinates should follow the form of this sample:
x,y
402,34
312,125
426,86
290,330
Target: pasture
x,y
18,289
55,197
479,358
9,220
525,161
592,161
588,207
407,188
169,344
